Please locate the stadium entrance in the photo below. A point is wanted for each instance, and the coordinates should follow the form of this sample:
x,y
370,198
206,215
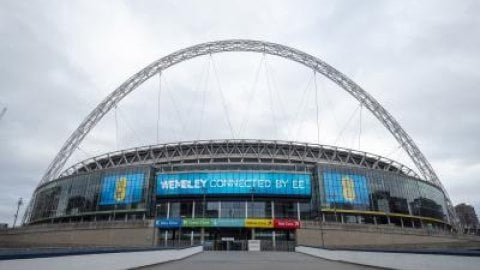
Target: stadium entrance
x,y
229,239
241,239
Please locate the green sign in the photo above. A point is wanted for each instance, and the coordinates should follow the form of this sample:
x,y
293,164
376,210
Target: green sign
x,y
197,222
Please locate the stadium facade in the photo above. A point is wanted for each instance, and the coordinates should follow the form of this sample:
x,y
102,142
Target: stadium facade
x,y
228,191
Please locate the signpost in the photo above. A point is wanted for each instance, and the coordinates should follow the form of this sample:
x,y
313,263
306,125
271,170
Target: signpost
x,y
253,245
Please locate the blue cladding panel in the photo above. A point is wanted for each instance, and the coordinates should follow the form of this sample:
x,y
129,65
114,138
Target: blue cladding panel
x,y
122,189
234,183
345,188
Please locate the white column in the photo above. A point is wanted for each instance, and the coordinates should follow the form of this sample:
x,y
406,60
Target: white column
x,y
193,216
166,231
219,204
274,242
155,231
272,203
298,210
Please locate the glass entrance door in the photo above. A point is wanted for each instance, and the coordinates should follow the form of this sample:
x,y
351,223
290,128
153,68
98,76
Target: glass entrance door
x,y
228,238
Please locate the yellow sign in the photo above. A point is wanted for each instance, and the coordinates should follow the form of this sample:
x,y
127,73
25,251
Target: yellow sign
x,y
258,223
120,189
348,188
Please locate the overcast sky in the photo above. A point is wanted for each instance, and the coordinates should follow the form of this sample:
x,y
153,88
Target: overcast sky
x,y
59,59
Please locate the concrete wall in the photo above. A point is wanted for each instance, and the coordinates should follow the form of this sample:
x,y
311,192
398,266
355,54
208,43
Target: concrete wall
x,y
141,233
123,260
356,235
401,261
116,234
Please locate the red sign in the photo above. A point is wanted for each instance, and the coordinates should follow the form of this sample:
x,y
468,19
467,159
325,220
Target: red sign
x,y
289,224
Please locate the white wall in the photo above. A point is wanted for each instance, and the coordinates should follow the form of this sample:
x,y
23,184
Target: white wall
x,y
403,261
121,260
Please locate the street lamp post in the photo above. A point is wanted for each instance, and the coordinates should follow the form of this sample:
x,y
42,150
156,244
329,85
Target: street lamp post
x,y
154,234
252,192
19,203
202,236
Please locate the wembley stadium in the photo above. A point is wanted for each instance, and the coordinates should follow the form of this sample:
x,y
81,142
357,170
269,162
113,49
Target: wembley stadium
x,y
223,193
217,191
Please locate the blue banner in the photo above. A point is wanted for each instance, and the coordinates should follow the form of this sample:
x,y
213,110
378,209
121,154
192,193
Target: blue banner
x,y
167,223
122,189
234,183
345,188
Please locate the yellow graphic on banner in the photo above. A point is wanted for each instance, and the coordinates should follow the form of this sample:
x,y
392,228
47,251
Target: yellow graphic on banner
x,y
120,189
348,187
258,223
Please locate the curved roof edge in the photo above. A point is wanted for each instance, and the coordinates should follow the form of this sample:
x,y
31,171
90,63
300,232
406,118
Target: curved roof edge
x,y
238,150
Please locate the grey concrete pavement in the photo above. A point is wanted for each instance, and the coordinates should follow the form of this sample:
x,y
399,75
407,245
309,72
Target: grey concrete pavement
x,y
242,260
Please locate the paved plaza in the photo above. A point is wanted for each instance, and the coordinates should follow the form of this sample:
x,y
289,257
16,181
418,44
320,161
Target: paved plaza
x,y
242,260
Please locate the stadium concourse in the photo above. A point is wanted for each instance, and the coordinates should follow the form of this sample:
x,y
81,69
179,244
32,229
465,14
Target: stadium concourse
x,y
236,194
253,261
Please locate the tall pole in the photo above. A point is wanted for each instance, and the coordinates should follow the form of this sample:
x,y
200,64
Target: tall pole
x,y
2,113
202,236
19,203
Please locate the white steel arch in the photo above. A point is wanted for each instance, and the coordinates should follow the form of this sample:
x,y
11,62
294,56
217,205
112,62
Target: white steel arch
x,y
241,45
305,59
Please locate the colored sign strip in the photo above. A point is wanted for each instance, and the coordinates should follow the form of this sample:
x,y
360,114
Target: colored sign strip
x,y
258,223
197,222
286,224
289,224
225,223
168,223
